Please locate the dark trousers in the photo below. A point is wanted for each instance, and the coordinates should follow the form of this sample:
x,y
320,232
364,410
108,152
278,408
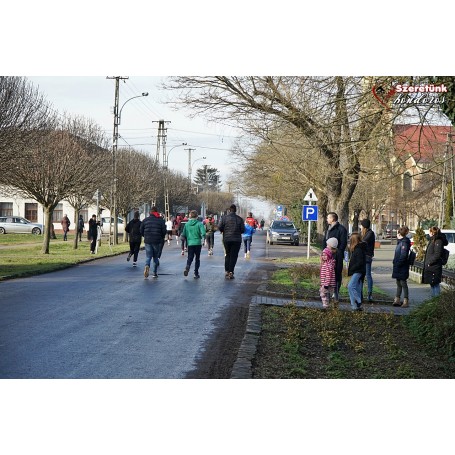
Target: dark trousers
x,y
93,244
194,251
232,253
134,249
210,240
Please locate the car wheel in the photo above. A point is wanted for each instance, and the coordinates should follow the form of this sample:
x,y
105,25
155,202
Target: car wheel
x,y
36,231
2,230
296,243
271,243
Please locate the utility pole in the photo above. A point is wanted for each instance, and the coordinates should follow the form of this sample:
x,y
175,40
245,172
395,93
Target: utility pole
x,y
114,158
161,144
189,166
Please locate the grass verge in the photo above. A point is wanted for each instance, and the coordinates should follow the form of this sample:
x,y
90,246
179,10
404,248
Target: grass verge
x,y
22,256
310,343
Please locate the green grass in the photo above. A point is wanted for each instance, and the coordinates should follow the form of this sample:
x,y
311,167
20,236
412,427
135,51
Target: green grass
x,y
21,254
304,278
310,343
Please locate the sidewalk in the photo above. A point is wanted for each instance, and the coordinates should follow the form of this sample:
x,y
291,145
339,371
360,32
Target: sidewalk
x,y
382,277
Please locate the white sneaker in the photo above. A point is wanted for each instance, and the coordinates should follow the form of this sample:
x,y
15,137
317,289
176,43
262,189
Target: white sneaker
x,y
245,256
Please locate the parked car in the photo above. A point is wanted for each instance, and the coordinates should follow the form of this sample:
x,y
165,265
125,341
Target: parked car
x,y
19,225
390,231
283,232
105,225
449,233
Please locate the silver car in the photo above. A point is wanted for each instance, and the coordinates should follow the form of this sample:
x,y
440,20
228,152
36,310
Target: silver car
x,y
283,232
19,225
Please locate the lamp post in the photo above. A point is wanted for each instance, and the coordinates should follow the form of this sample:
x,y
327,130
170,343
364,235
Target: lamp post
x,y
117,117
191,167
391,227
168,153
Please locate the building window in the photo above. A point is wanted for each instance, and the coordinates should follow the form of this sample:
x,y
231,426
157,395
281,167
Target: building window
x,y
6,209
84,214
58,214
407,182
31,211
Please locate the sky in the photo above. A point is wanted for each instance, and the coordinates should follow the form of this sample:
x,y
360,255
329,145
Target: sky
x,y
93,97
73,47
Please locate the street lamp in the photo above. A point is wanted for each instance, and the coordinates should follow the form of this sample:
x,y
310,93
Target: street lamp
x,y
168,153
138,96
117,116
191,168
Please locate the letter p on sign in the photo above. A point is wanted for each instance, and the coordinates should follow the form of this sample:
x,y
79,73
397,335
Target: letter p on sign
x,y
310,213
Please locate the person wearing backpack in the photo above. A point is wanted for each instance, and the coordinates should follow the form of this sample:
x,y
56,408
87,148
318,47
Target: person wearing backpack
x,y
401,267
433,262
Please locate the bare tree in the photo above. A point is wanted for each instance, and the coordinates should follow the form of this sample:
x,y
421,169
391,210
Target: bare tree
x,y
51,168
327,111
24,112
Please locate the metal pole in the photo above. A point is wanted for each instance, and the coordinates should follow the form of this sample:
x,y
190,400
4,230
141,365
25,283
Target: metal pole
x,y
309,237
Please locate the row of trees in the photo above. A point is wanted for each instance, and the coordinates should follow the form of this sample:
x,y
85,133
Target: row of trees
x,y
51,157
328,133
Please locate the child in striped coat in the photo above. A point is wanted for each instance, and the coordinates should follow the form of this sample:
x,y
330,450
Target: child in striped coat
x,y
327,275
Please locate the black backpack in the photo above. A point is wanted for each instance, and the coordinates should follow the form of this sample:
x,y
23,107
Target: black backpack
x,y
445,256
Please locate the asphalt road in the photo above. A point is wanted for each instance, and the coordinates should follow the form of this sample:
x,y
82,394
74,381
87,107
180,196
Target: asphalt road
x,y
102,319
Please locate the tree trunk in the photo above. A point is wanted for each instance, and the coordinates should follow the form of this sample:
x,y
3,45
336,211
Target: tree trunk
x,y
47,229
76,224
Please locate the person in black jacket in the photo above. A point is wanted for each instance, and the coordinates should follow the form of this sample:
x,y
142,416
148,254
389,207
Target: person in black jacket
x,y
369,238
401,267
339,232
93,232
134,231
232,227
356,270
153,229
432,266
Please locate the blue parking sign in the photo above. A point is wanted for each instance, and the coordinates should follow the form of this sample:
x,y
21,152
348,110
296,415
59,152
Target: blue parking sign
x,y
310,213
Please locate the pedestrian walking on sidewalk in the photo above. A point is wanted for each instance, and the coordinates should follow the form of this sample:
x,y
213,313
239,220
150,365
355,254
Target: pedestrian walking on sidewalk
x,y
432,265
93,233
356,270
401,267
194,233
232,227
135,238
80,227
153,229
369,238
247,237
327,274
65,226
338,231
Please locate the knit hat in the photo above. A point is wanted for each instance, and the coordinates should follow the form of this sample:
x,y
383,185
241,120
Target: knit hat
x,y
332,242
366,223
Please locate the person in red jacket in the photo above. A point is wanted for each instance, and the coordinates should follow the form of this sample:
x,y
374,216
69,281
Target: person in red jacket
x,y
251,221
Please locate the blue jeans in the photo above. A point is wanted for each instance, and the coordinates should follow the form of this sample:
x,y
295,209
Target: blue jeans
x,y
247,243
152,251
194,251
435,290
355,290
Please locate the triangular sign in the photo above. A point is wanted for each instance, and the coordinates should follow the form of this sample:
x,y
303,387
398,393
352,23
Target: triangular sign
x,y
310,196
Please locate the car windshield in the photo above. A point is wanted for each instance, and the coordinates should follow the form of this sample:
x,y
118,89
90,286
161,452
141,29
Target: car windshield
x,y
283,225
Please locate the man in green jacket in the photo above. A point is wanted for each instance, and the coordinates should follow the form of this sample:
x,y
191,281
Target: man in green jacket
x,y
194,232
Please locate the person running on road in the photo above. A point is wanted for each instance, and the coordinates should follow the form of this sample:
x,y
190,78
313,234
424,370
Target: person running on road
x,y
232,227
169,230
262,224
134,231
247,237
153,229
210,234
194,233
183,241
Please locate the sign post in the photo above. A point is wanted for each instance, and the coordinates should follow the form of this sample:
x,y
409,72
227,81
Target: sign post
x,y
309,213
